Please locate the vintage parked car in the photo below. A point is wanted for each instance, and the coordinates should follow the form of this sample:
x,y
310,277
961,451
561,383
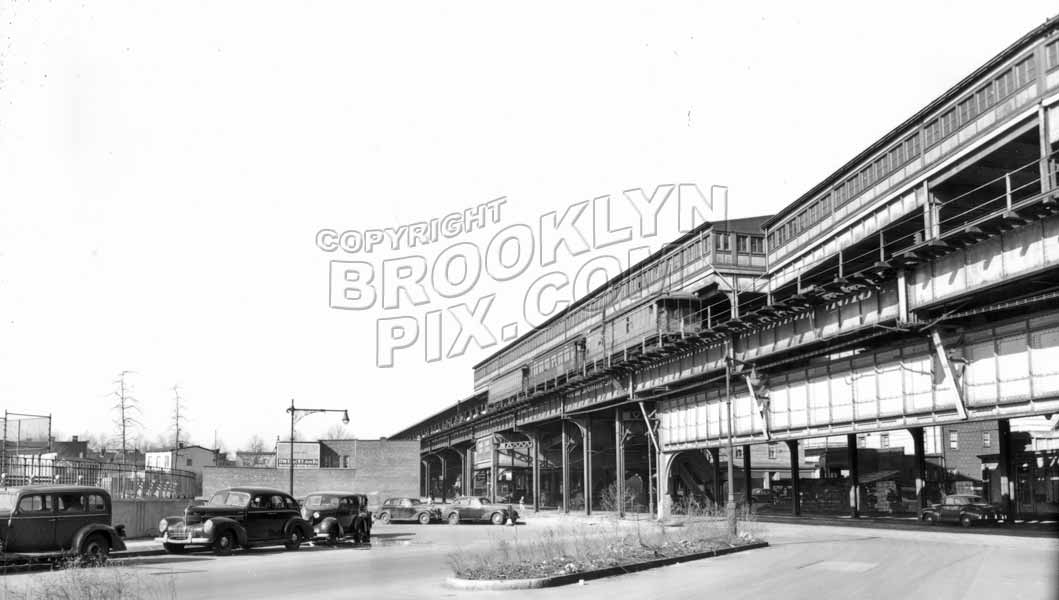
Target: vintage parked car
x,y
237,517
338,515
960,508
41,521
408,509
762,496
473,508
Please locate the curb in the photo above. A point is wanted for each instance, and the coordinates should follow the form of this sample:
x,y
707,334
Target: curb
x,y
136,553
557,580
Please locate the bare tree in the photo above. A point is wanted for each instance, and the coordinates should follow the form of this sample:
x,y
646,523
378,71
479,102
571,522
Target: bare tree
x,y
338,431
127,409
256,444
178,417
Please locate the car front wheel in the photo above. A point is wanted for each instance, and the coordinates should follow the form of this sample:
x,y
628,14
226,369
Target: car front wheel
x,y
294,540
95,550
385,518
454,519
224,544
424,519
930,519
497,519
966,521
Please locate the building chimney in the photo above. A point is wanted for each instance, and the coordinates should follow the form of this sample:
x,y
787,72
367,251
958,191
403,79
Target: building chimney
x,y
73,438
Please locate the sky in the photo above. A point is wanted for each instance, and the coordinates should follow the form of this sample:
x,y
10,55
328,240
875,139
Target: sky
x,y
166,169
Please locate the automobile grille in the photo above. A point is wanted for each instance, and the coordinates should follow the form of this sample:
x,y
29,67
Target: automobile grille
x,y
178,532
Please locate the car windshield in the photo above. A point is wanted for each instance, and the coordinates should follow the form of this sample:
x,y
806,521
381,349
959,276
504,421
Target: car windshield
x,y
7,500
968,499
324,501
484,500
229,499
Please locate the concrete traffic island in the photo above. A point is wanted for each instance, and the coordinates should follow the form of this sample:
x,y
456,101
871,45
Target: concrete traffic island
x,y
581,576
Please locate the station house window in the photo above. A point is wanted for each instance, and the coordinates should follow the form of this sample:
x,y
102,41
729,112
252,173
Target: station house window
x,y
954,440
739,453
987,439
757,245
772,451
742,244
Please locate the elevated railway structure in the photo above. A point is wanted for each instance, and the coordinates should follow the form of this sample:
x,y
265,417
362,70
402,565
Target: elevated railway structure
x,y
916,286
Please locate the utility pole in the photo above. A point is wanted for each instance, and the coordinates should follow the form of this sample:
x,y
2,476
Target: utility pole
x,y
176,424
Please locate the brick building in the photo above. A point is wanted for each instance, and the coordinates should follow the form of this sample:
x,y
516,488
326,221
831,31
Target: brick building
x,y
377,468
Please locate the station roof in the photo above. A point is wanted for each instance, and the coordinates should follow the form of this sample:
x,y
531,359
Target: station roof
x,y
915,119
748,225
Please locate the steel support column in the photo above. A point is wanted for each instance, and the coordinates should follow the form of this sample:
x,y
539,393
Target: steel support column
x,y
796,479
1007,483
718,485
535,473
920,465
566,468
665,460
586,462
444,474
747,475
854,475
462,456
619,462
468,467
429,488
494,464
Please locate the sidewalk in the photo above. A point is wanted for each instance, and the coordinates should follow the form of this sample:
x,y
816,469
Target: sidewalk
x,y
139,547
1020,528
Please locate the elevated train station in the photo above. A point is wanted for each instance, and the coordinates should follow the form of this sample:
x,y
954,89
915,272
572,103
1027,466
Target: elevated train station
x,y
914,290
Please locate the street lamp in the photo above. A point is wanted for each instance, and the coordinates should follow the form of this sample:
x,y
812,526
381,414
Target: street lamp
x,y
296,415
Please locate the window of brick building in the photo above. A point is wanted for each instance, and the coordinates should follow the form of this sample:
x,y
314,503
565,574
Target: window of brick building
x,y
987,439
954,440
884,440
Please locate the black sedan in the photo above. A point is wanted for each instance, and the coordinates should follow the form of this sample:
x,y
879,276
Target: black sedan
x,y
408,509
474,508
964,509
338,515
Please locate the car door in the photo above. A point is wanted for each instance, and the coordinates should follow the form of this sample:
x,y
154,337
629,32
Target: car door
x,y
950,511
347,509
406,510
33,525
71,514
278,514
259,515
473,510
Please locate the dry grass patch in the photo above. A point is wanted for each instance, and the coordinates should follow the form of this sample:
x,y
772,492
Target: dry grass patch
x,y
101,583
576,548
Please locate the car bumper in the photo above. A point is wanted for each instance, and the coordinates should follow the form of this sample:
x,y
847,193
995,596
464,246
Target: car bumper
x,y
184,541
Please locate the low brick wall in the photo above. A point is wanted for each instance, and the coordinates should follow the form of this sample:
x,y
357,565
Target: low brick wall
x,y
141,517
378,468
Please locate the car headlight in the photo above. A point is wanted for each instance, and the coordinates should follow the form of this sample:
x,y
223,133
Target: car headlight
x,y
316,515
207,526
162,526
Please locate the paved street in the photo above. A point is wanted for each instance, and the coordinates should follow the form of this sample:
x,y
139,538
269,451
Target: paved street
x,y
804,561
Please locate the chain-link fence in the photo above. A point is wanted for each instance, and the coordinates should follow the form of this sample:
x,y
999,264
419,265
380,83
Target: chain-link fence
x,y
122,481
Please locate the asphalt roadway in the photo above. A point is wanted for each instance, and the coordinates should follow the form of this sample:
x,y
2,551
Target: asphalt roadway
x,y
803,561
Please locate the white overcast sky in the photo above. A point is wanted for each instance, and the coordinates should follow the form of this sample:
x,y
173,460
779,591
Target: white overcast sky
x,y
164,167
